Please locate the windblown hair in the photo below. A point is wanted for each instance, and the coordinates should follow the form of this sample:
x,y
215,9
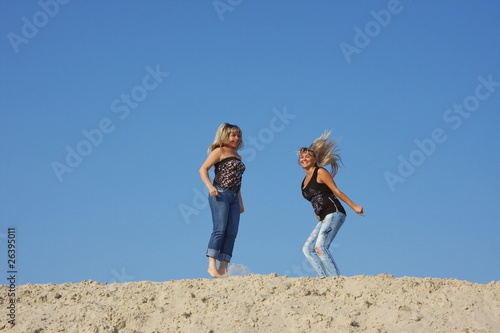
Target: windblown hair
x,y
325,151
222,136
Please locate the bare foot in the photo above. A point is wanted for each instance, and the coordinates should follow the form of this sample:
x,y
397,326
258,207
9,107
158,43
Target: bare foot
x,y
213,272
223,268
223,272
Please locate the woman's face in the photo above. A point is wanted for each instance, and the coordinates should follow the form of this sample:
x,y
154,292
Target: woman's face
x,y
234,140
306,160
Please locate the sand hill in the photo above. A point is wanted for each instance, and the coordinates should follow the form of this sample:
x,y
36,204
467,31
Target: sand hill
x,y
257,303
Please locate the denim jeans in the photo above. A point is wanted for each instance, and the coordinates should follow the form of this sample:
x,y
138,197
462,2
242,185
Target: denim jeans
x,y
316,248
226,219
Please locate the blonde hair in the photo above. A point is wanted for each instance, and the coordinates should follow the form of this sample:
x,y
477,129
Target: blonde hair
x,y
325,151
222,136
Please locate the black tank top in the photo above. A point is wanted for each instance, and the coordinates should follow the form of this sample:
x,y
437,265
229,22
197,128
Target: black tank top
x,y
323,200
228,173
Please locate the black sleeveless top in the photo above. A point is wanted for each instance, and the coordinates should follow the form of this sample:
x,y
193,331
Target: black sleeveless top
x,y
323,200
228,173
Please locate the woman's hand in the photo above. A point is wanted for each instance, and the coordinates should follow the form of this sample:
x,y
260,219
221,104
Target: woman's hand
x,y
358,210
213,192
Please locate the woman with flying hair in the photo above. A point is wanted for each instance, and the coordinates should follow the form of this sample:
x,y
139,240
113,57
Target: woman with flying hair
x,y
320,189
224,195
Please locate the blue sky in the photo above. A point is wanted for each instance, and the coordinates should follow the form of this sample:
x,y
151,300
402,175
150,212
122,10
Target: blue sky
x,y
108,108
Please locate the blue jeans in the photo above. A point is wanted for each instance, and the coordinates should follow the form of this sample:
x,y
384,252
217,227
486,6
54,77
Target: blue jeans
x,y
316,248
226,219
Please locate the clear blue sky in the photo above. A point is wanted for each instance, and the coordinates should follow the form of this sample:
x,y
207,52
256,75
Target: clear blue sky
x,y
107,109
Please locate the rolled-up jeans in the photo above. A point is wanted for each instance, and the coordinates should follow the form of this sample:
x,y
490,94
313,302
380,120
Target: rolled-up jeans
x,y
316,248
226,218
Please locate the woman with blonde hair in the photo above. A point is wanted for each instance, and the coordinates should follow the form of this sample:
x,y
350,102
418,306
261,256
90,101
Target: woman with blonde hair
x,y
320,189
224,195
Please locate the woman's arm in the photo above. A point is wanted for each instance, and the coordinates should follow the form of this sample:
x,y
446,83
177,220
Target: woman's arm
x,y
212,158
325,177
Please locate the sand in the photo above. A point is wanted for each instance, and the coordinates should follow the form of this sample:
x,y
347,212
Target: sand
x,y
257,303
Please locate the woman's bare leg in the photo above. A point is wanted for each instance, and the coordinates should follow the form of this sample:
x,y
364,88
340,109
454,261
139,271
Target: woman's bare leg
x,y
212,268
223,267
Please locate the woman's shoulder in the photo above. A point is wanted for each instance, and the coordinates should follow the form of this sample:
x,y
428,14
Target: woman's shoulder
x,y
218,150
322,173
321,170
215,155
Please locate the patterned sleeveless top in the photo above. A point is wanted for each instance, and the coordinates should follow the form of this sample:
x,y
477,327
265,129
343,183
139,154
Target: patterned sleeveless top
x,y
323,200
228,173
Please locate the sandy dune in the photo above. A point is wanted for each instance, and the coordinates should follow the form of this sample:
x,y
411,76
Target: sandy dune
x,y
258,303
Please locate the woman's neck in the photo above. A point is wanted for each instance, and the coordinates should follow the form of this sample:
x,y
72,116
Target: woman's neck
x,y
309,170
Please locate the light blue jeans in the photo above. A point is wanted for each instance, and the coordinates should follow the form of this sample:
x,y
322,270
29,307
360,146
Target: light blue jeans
x,y
226,219
316,248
